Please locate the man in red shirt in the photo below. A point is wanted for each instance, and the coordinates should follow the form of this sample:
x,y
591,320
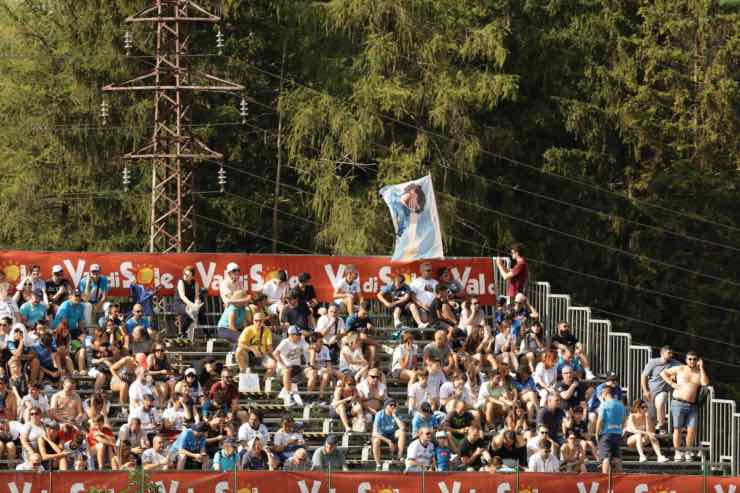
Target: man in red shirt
x,y
517,275
224,395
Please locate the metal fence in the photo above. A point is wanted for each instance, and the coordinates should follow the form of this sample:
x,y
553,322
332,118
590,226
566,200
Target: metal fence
x,y
639,356
598,352
619,356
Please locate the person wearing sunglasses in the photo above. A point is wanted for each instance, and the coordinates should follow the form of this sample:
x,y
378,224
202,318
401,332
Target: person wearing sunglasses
x,y
420,455
687,382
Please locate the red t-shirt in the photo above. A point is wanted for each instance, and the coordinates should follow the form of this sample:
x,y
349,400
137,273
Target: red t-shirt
x,y
224,395
105,430
518,281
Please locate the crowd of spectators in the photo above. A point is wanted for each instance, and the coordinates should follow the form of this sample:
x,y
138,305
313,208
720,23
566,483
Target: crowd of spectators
x,y
490,391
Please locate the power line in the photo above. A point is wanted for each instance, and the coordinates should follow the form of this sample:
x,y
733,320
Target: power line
x,y
285,213
693,216
253,233
592,242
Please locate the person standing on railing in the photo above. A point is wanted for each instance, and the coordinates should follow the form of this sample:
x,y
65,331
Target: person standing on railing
x,y
518,275
655,389
686,381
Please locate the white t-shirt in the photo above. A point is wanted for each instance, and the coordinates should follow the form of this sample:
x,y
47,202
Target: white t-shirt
x,y
478,319
150,456
363,390
28,402
323,357
538,464
547,375
149,419
290,352
330,328
281,438
227,287
424,290
447,390
354,355
533,445
419,393
349,288
34,432
274,290
422,454
399,353
136,392
246,433
502,340
175,416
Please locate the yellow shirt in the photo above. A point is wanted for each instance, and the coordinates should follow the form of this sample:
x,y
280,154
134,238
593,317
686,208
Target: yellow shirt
x,y
250,337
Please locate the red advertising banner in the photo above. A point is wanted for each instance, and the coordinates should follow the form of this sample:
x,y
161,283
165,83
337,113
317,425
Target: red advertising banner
x,y
325,482
163,270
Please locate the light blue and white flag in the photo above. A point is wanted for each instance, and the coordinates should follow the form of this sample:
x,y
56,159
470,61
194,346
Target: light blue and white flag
x,y
414,213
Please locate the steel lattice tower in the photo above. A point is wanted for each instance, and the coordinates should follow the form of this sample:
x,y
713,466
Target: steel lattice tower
x,y
173,149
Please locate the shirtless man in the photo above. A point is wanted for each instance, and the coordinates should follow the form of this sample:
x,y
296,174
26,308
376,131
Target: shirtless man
x,y
66,405
686,381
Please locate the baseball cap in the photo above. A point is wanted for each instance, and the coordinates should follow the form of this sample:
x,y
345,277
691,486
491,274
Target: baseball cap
x,y
94,268
232,266
294,329
199,427
190,371
38,293
440,434
426,407
76,292
519,297
389,402
331,440
230,441
612,376
57,269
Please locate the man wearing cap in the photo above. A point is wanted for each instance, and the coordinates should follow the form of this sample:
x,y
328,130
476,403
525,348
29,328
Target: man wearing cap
x,y
190,448
389,429
34,310
420,455
329,457
226,459
95,286
73,312
230,284
288,355
655,389
255,346
57,288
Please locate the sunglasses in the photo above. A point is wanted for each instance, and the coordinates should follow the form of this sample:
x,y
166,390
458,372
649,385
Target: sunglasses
x,y
138,311
35,414
691,359
373,376
189,376
543,432
159,350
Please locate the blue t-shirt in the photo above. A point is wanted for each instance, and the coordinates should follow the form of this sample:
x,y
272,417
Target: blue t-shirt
x,y
574,363
45,354
442,458
384,424
354,322
97,289
432,422
73,313
241,315
188,441
612,414
143,321
528,384
395,293
33,312
225,462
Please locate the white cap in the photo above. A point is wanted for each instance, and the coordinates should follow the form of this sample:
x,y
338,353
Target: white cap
x,y
519,298
94,268
57,268
232,266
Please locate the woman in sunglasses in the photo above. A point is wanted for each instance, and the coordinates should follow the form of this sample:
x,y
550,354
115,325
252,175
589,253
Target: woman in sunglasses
x,y
161,371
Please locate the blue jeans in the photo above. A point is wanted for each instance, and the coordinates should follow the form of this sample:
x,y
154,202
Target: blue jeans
x,y
684,414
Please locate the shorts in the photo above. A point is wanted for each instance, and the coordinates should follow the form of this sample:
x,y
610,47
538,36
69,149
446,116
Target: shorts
x,y
610,446
295,371
684,414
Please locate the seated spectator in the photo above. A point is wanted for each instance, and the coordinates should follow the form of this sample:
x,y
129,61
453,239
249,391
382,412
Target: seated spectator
x,y
551,416
253,427
8,306
532,346
473,449
348,293
52,452
132,442
224,394
331,326
190,448
306,293
139,388
66,405
44,365
423,288
191,386
34,311
8,403
472,316
569,389
574,357
293,313
123,374
137,318
346,403
361,324
418,392
440,361
155,458
95,288
189,304
389,429
328,457
352,360
254,347
288,355
455,289
181,412
527,391
546,376
442,452
34,400
637,432
546,458
404,362
505,346
255,458
287,440
573,454
102,445
233,319
163,375
372,392
425,417
298,462
9,436
226,459
319,371
511,447
396,296
231,289
32,464
478,346
420,454
522,312
454,390
457,423
276,290
57,288
563,336
441,314
497,397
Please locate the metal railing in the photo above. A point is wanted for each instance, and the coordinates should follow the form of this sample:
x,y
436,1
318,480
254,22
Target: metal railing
x,y
619,357
598,353
639,357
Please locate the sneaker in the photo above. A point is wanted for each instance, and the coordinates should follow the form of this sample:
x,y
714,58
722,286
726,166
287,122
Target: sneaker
x,y
378,467
297,399
284,394
662,459
678,456
643,458
288,402
423,325
589,374
688,456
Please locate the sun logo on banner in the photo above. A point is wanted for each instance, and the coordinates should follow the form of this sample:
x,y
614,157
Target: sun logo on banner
x,y
12,270
144,274
248,489
271,272
528,489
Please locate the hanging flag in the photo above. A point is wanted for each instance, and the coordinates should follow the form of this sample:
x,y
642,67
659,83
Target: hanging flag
x,y
414,213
